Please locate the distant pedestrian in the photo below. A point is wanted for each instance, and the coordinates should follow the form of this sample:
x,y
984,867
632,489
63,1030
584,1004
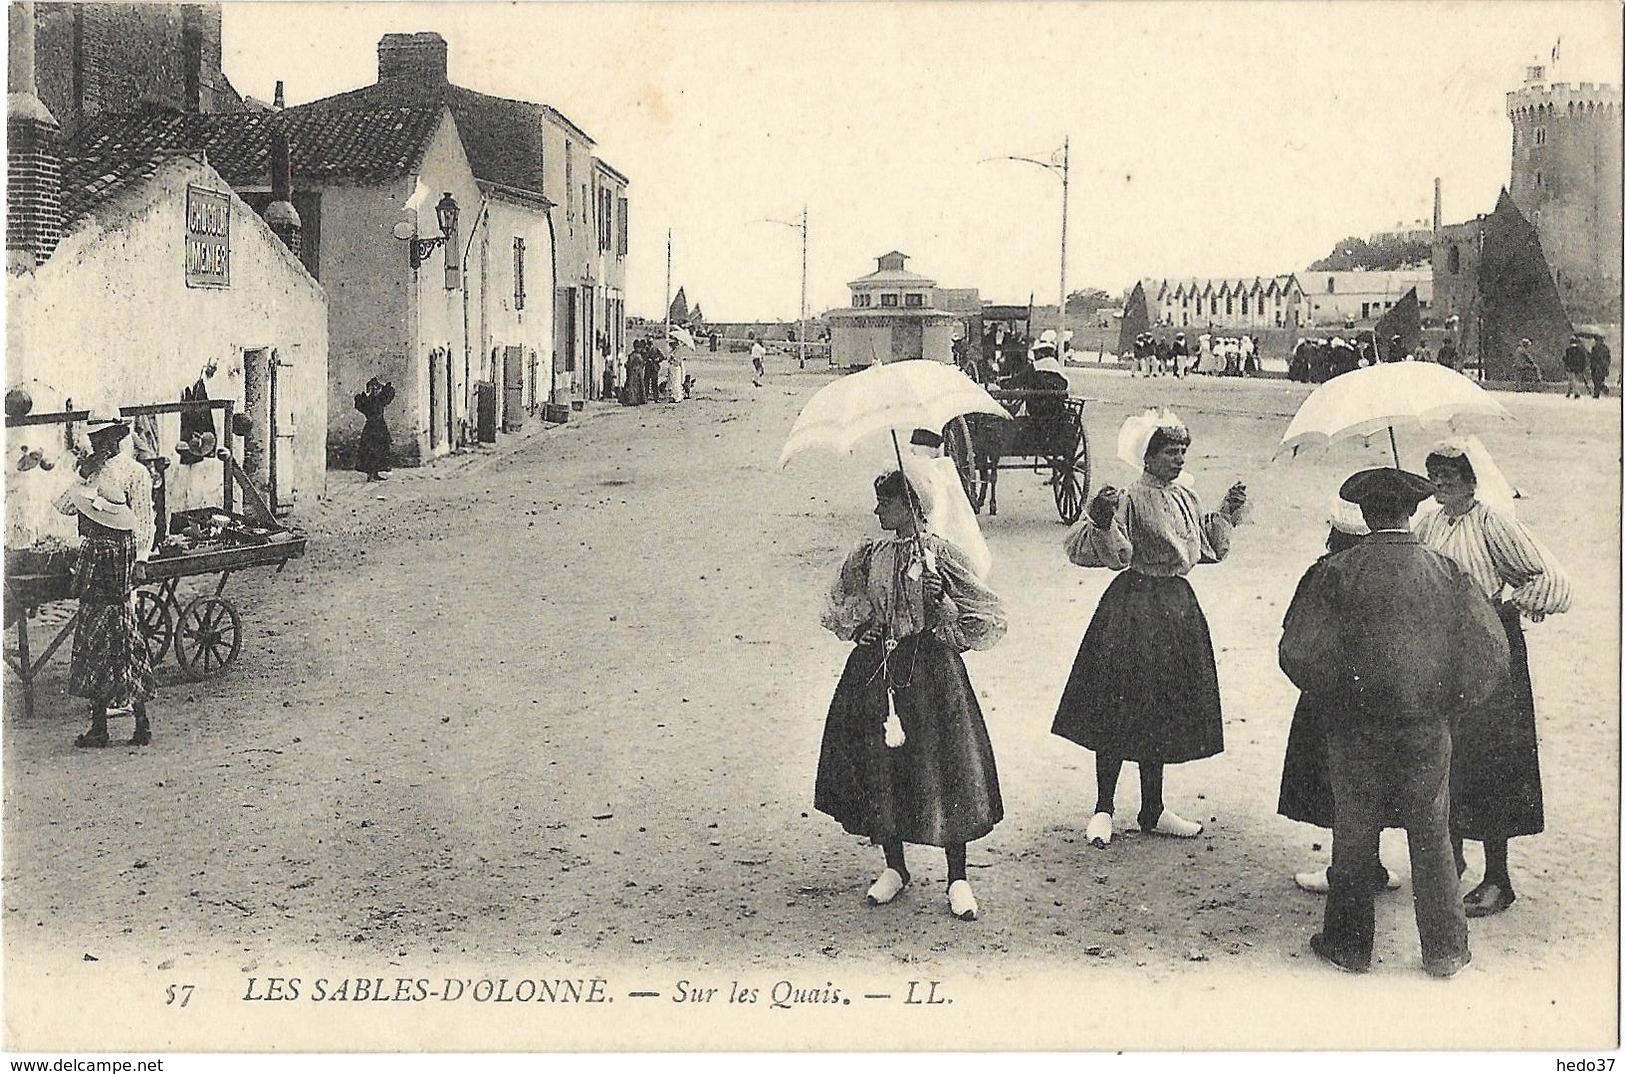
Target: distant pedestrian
x,y
632,391
758,354
906,756
1181,355
1447,355
372,454
1576,362
1601,359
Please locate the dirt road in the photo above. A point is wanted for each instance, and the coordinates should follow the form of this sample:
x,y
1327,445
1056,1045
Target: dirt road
x,y
561,707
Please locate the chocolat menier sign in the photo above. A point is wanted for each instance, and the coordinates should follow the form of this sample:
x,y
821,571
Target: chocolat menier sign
x,y
208,238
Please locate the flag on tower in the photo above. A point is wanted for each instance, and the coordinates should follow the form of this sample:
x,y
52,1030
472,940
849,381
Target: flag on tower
x,y
1557,48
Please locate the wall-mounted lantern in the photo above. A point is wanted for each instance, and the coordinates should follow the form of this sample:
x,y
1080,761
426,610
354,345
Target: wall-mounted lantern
x,y
418,249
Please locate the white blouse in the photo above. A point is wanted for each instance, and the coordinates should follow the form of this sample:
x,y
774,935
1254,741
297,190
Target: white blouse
x,y
1498,554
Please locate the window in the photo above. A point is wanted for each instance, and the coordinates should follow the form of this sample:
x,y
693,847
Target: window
x,y
569,182
1454,259
1331,285
862,299
620,224
1538,178
914,301
1244,305
1540,135
889,301
1229,306
518,273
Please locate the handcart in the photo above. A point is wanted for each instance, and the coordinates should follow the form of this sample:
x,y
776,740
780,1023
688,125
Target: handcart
x,y
204,632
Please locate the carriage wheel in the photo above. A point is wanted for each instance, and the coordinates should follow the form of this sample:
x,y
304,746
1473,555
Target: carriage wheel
x,y
157,622
208,637
1070,478
957,445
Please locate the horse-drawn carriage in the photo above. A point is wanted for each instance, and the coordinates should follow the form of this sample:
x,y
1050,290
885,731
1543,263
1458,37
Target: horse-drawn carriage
x,y
1044,434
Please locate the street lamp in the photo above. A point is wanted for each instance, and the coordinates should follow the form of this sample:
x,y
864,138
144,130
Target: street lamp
x,y
1061,167
417,249
801,330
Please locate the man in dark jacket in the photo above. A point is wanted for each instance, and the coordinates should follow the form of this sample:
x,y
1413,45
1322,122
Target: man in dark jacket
x,y
1600,360
1395,641
1575,361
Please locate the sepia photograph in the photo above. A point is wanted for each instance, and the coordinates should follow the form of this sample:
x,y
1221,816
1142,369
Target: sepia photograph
x,y
769,527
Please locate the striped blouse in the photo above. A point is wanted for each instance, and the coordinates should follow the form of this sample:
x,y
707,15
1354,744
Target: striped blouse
x,y
1498,553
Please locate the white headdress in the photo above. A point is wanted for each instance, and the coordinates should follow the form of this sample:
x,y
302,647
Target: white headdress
x,y
1493,487
1346,517
1135,436
947,511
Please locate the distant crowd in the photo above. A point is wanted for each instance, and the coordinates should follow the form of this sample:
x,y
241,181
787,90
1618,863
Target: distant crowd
x,y
1224,356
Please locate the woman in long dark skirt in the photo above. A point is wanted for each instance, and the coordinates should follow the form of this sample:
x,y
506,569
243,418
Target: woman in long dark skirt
x,y
110,666
1306,782
1495,791
906,756
1144,686
372,457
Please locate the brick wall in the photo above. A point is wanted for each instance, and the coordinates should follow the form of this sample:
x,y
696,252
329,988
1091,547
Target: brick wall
x,y
118,57
34,194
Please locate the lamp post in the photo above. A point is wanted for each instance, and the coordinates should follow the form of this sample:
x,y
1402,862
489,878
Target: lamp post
x,y
1062,168
801,327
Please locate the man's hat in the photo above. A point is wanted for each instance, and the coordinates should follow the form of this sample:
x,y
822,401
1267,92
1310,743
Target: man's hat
x,y
104,423
1386,486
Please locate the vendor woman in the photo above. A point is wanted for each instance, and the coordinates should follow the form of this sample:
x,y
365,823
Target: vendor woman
x,y
906,756
1144,686
112,498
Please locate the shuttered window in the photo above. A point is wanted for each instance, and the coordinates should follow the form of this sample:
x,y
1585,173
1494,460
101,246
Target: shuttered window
x,y
518,273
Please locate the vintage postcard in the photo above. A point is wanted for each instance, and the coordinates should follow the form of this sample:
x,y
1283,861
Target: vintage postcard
x,y
626,527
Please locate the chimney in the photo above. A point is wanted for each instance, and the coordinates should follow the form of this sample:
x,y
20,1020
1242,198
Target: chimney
x,y
276,101
1438,205
416,59
33,158
280,214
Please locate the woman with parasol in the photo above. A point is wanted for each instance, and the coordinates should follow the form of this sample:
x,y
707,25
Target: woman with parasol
x,y
1495,790
1144,686
906,756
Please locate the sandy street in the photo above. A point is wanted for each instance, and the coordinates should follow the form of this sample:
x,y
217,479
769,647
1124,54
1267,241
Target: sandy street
x,y
561,707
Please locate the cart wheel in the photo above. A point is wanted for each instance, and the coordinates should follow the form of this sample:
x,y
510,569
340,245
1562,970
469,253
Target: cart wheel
x,y
1070,478
208,637
958,446
152,613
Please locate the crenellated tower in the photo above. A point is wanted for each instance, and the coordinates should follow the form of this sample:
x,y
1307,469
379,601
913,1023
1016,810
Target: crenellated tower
x,y
1565,179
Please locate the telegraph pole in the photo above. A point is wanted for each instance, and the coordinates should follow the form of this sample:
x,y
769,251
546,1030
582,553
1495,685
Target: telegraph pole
x,y
801,356
667,339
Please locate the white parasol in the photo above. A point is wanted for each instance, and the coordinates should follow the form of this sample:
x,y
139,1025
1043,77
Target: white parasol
x,y
1384,396
897,396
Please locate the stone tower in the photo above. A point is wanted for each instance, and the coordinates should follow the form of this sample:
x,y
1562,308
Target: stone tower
x,y
1566,181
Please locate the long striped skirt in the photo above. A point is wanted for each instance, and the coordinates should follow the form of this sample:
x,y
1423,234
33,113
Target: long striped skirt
x,y
111,666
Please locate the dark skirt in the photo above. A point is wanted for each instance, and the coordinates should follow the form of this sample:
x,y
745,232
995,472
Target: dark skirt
x,y
1306,781
940,787
110,664
373,453
1495,761
1144,686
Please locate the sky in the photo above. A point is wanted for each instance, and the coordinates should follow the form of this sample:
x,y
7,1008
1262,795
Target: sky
x,y
1206,138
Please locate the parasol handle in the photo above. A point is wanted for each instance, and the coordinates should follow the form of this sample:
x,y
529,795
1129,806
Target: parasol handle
x,y
1394,446
908,491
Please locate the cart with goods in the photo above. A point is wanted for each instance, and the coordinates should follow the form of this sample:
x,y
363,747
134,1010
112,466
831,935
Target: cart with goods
x,y
1045,436
204,631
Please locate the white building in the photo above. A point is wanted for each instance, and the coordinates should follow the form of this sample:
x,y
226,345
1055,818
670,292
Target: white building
x,y
893,316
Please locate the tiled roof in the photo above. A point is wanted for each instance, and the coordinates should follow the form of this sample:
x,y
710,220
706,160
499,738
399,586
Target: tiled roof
x,y
502,137
364,145
87,183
